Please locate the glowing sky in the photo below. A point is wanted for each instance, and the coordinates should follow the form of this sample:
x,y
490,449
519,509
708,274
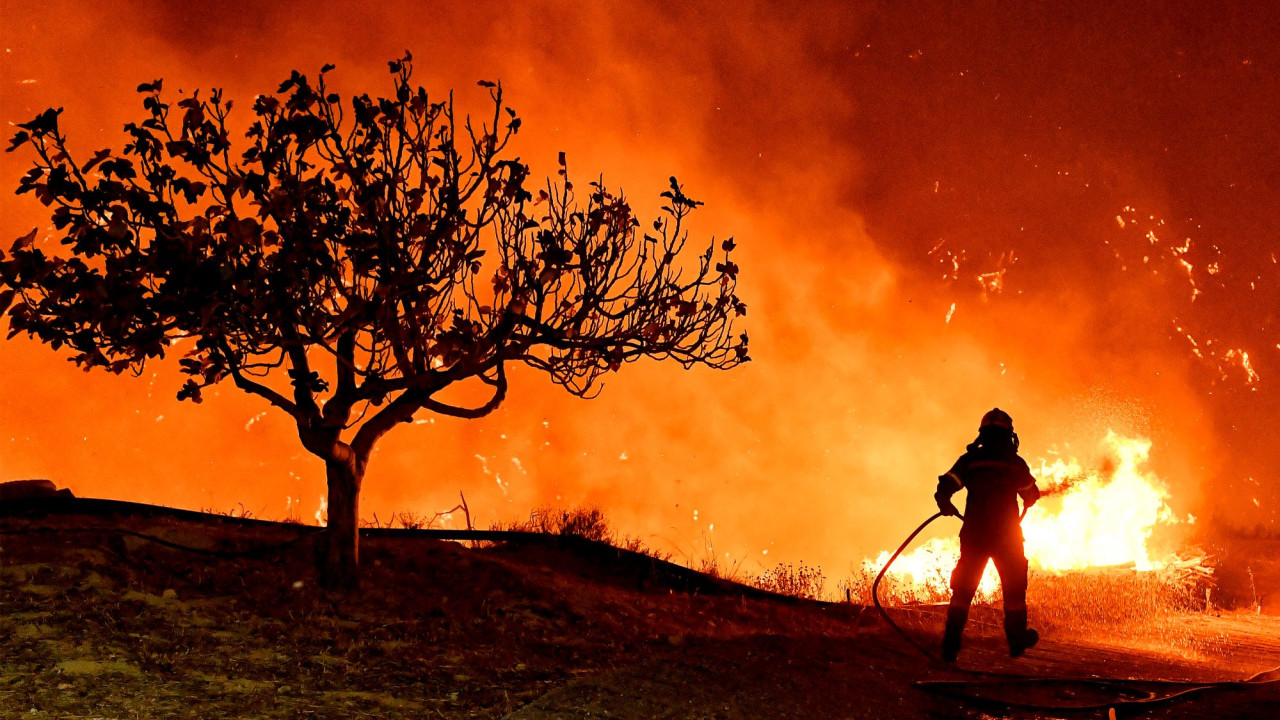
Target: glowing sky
x,y
872,160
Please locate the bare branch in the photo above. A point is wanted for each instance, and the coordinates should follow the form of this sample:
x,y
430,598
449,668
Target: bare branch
x,y
499,394
263,391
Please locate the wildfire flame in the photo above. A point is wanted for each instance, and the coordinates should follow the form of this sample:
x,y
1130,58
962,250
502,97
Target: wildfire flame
x,y
1088,517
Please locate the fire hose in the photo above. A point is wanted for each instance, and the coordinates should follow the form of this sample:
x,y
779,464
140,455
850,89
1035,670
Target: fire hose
x,y
1126,690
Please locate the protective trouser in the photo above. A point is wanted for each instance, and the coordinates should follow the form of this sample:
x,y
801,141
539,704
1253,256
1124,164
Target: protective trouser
x,y
1011,564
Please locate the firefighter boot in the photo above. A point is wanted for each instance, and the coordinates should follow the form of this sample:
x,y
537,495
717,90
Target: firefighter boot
x,y
956,618
1020,637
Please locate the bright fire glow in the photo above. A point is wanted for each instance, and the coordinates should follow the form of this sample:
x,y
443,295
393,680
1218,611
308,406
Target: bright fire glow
x,y
1087,517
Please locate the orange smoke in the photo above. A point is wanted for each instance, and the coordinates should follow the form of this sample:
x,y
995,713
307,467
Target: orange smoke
x,y
839,146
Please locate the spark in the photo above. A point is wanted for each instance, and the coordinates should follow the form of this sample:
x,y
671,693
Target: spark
x,y
1250,375
992,281
1195,346
952,311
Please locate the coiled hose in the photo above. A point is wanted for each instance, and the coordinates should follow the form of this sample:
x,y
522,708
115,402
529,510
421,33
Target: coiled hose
x,y
1126,690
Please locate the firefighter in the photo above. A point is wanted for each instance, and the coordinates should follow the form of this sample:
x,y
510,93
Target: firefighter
x,y
995,477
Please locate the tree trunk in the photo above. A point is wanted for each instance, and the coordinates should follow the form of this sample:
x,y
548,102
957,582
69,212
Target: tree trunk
x,y
340,559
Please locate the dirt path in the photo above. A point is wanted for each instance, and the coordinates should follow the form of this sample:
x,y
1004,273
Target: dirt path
x,y
871,676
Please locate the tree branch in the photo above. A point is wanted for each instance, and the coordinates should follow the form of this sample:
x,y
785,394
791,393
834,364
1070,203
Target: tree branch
x,y
338,410
499,394
397,411
263,391
303,395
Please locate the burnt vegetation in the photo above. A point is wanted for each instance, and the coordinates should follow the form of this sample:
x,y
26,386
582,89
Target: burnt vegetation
x,y
373,252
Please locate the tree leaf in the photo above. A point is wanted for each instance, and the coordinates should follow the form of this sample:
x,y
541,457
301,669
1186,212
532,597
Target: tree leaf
x,y
19,138
24,241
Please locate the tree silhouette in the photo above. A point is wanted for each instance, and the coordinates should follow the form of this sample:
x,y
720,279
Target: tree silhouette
x,y
375,252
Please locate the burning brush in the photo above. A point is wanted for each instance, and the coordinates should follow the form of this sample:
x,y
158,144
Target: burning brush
x,y
1100,518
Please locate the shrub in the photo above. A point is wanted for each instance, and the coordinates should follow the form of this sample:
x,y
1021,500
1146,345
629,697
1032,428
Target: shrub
x,y
799,581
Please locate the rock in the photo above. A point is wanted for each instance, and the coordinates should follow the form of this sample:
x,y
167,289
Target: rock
x,y
25,489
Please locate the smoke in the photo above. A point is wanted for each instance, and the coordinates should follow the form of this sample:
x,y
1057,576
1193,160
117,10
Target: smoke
x,y
925,200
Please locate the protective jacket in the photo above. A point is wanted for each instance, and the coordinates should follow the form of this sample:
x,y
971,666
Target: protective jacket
x,y
994,477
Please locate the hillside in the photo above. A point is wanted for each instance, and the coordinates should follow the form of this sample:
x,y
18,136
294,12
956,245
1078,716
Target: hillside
x,y
118,610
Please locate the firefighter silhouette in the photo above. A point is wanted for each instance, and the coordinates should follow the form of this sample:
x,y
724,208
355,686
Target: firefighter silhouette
x,y
994,476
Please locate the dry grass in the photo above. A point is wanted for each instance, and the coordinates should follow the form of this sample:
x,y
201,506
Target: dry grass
x,y
585,523
1111,598
406,520
800,581
894,591
1112,601
588,523
236,512
711,565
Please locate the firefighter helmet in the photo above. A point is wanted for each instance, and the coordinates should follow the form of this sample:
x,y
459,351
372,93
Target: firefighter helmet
x,y
998,418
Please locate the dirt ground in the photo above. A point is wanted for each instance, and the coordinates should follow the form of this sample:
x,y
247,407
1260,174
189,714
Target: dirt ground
x,y
101,617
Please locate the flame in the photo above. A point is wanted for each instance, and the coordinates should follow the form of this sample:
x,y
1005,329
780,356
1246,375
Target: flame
x,y
1104,518
926,571
1088,517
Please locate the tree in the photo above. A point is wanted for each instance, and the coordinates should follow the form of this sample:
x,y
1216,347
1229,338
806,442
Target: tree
x,y
375,252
